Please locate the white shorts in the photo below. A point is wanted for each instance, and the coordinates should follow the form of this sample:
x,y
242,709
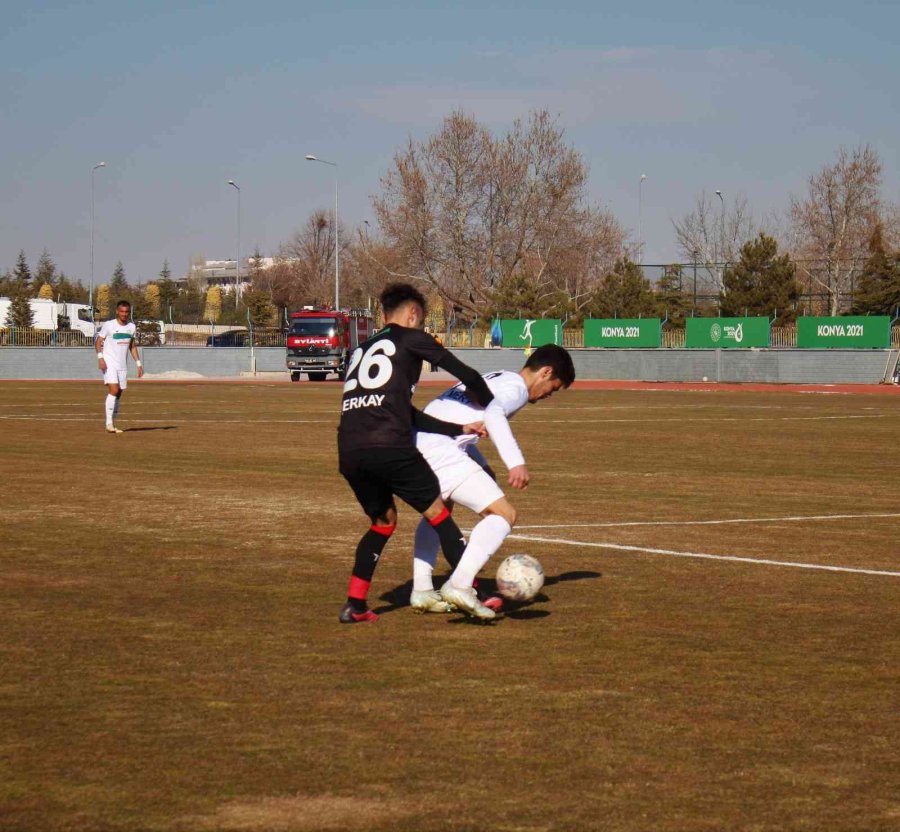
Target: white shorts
x,y
465,482
120,377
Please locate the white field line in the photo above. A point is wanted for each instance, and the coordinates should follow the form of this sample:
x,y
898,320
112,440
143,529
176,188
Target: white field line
x,y
716,419
36,417
792,519
703,556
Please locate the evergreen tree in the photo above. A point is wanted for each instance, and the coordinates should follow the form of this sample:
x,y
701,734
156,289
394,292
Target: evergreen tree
x,y
760,282
20,313
670,295
6,285
259,305
878,289
21,275
71,291
168,290
118,286
46,292
623,293
46,270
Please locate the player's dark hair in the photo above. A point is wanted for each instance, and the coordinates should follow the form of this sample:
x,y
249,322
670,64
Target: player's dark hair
x,y
558,359
124,303
395,295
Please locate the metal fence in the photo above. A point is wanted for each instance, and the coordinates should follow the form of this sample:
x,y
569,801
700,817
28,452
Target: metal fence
x,y
573,338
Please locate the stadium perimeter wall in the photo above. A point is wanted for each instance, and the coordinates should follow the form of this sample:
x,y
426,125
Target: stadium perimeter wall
x,y
731,365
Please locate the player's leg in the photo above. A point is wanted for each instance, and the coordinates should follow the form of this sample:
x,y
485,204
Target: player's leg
x,y
123,383
424,597
417,485
481,494
377,501
111,380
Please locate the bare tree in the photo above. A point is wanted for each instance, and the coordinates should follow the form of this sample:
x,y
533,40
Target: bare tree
x,y
832,223
712,234
304,269
467,212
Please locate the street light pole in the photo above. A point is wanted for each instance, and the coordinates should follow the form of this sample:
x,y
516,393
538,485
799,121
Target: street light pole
x,y
641,220
91,290
337,248
721,235
237,279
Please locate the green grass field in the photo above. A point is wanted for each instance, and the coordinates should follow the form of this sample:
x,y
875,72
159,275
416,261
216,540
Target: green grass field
x,y
171,657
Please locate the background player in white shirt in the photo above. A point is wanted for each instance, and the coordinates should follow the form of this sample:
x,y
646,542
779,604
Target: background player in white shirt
x,y
466,478
114,341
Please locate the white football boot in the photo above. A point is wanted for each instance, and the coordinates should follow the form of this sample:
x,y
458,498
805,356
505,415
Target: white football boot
x,y
466,600
429,600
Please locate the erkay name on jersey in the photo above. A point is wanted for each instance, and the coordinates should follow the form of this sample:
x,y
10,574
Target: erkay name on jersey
x,y
373,400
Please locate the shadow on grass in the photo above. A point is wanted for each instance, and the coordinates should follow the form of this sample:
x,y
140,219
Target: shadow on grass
x,y
398,597
158,427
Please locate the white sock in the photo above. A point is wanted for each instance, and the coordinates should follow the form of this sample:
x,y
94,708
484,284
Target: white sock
x,y
116,408
486,538
110,407
425,556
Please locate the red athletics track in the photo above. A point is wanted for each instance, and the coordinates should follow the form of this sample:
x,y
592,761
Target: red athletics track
x,y
589,384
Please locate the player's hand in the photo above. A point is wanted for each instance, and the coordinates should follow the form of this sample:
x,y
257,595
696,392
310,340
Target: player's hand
x,y
475,428
102,365
140,372
518,477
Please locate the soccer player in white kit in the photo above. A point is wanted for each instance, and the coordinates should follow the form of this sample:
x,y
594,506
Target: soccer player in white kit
x,y
466,478
114,341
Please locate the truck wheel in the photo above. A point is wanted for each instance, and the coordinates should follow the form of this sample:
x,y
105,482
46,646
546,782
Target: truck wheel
x,y
295,376
317,376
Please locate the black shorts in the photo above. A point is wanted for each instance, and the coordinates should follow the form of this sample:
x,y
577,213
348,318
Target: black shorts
x,y
377,474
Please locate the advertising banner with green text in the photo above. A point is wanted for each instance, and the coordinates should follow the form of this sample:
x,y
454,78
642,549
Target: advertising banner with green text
x,y
726,333
616,333
526,333
854,332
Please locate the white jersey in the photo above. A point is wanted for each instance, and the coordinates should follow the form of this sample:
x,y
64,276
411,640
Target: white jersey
x,y
116,340
454,405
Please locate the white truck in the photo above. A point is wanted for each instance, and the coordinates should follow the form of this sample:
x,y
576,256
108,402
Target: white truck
x,y
48,314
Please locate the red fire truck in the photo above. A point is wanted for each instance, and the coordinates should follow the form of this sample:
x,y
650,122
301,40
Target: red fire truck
x,y
321,341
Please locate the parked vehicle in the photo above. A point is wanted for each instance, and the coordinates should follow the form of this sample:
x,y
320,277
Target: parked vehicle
x,y
230,338
51,315
320,341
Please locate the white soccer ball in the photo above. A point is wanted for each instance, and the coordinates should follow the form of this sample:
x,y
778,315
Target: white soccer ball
x,y
520,578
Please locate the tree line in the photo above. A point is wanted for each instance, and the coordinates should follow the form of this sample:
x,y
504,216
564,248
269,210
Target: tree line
x,y
495,225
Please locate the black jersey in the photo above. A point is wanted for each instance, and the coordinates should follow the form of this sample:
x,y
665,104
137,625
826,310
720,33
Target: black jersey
x,y
376,408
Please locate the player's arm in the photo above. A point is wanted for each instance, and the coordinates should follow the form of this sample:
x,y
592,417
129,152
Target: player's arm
x,y
426,347
505,442
476,386
137,357
98,346
426,423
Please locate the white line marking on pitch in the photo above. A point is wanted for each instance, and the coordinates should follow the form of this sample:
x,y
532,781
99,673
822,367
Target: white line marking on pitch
x,y
796,519
703,556
719,419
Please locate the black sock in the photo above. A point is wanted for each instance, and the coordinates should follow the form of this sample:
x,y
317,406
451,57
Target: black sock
x,y
368,551
452,541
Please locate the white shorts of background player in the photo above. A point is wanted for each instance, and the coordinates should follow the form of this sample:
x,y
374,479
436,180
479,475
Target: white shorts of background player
x,y
114,376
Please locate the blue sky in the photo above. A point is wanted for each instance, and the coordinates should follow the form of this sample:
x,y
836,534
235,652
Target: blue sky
x,y
177,98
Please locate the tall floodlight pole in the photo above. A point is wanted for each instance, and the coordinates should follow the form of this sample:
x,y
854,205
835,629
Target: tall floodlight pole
x,y
91,290
721,233
237,279
641,220
337,248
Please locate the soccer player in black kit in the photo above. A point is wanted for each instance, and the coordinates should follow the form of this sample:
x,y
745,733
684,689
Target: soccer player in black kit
x,y
376,439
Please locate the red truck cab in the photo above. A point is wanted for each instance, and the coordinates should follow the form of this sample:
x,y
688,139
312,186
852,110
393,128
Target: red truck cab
x,y
321,341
